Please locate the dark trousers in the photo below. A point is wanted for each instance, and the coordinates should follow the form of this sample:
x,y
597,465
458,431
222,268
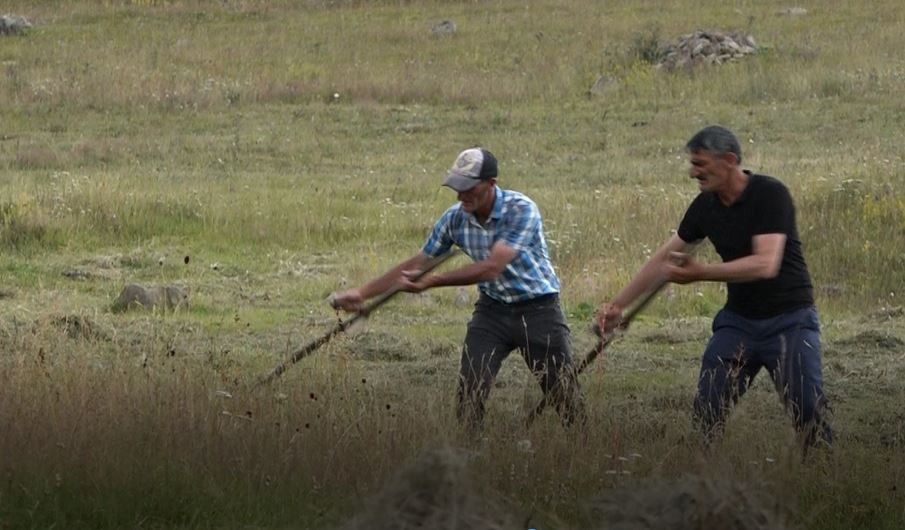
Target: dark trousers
x,y
537,328
788,346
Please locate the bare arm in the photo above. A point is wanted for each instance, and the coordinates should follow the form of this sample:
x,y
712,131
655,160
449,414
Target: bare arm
x,y
352,299
649,276
762,263
480,271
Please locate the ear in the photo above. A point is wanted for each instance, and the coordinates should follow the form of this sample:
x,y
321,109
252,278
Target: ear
x,y
730,158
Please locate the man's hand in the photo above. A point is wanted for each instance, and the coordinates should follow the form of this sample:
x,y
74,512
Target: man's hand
x,y
607,319
349,301
408,283
682,268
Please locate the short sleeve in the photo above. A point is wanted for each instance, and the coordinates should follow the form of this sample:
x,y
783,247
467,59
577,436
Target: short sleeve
x,y
691,228
776,211
520,226
440,240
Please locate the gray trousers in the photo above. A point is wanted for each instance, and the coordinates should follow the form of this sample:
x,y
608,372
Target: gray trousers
x,y
537,328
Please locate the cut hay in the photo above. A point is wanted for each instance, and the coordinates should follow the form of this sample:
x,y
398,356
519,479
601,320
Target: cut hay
x,y
433,492
381,346
686,503
872,339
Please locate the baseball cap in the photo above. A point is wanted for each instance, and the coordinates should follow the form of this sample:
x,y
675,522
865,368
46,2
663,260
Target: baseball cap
x,y
471,167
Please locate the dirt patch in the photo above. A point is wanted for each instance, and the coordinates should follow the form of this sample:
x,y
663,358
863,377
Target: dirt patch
x,y
436,492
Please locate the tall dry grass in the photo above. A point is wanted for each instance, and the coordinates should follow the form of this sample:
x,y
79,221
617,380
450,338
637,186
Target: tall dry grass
x,y
155,426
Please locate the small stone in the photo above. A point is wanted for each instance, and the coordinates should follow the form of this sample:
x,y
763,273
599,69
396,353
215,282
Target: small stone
x,y
445,27
602,84
792,11
463,298
524,446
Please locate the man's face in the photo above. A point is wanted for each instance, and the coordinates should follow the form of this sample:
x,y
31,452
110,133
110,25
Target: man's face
x,y
479,198
709,169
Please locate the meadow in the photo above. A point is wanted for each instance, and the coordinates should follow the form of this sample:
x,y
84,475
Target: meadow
x,y
265,154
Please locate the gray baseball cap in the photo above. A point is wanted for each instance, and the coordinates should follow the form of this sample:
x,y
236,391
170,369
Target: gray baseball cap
x,y
470,168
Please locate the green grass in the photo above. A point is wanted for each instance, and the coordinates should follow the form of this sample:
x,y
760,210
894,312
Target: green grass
x,y
136,134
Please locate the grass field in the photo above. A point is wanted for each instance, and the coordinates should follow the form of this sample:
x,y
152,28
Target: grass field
x,y
264,154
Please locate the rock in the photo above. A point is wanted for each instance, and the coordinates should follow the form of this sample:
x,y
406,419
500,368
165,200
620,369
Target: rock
x,y
705,47
163,297
831,290
77,274
446,27
701,47
603,84
792,11
14,25
463,297
91,273
413,127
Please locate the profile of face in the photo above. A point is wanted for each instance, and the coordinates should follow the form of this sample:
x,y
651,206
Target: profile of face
x,y
711,170
478,199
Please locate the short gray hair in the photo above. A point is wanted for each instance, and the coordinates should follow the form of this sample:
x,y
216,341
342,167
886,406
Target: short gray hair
x,y
717,140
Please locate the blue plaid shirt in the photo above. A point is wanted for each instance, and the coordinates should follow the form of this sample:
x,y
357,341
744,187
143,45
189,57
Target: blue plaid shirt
x,y
515,220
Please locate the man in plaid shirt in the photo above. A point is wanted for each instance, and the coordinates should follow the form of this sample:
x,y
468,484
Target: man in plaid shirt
x,y
502,232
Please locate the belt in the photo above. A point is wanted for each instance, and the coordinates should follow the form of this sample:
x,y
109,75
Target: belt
x,y
542,299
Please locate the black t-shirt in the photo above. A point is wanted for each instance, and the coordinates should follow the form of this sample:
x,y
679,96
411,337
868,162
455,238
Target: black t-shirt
x,y
765,207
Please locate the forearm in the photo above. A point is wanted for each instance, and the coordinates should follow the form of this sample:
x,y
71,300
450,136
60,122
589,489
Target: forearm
x,y
651,274
480,271
389,279
746,269
646,278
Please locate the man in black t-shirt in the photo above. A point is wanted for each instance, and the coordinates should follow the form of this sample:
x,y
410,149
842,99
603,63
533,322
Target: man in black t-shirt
x,y
769,320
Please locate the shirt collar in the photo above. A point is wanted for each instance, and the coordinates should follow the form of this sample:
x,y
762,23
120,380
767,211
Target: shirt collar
x,y
497,211
742,198
745,192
